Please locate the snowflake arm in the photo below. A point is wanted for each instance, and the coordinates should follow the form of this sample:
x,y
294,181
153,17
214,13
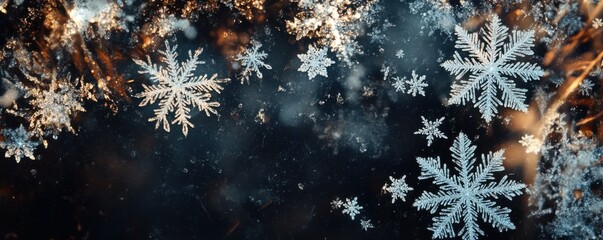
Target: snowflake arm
x,y
177,89
252,60
430,130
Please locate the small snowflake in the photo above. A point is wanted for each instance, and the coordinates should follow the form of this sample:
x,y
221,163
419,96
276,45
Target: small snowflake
x,y
315,62
366,224
399,84
400,54
337,203
585,87
398,188
252,59
430,129
18,143
351,207
531,144
597,23
416,84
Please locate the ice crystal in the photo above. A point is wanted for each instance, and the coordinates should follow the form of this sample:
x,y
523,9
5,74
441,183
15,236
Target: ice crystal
x,y
531,144
586,87
398,188
399,84
252,59
430,130
52,103
18,143
416,84
315,62
366,224
178,88
490,61
400,54
597,23
334,23
465,196
350,206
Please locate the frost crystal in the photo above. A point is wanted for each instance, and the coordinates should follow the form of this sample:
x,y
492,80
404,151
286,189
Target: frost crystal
x,y
366,224
18,143
585,87
351,207
335,23
416,84
315,62
399,84
531,144
53,103
597,23
430,130
398,188
490,59
252,60
178,88
465,196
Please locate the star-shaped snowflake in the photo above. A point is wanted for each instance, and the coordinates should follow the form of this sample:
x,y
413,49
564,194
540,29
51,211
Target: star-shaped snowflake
x,y
399,84
315,62
398,189
465,197
178,88
430,130
491,65
18,143
416,84
252,59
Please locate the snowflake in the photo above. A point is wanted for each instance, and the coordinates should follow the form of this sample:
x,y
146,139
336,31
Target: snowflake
x,y
252,60
53,103
416,84
398,188
18,143
351,207
531,144
366,224
399,84
488,63
585,87
597,23
335,23
315,62
464,197
430,129
178,88
400,54
337,203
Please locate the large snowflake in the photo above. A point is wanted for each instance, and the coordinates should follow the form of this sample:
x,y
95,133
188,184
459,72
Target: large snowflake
x,y
178,88
252,60
465,196
491,66
315,62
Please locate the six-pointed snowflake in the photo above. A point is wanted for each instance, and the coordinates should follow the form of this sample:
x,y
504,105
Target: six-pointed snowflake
x,y
18,144
398,189
351,207
315,62
430,130
466,196
178,88
416,84
399,84
491,66
252,59
586,87
366,224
